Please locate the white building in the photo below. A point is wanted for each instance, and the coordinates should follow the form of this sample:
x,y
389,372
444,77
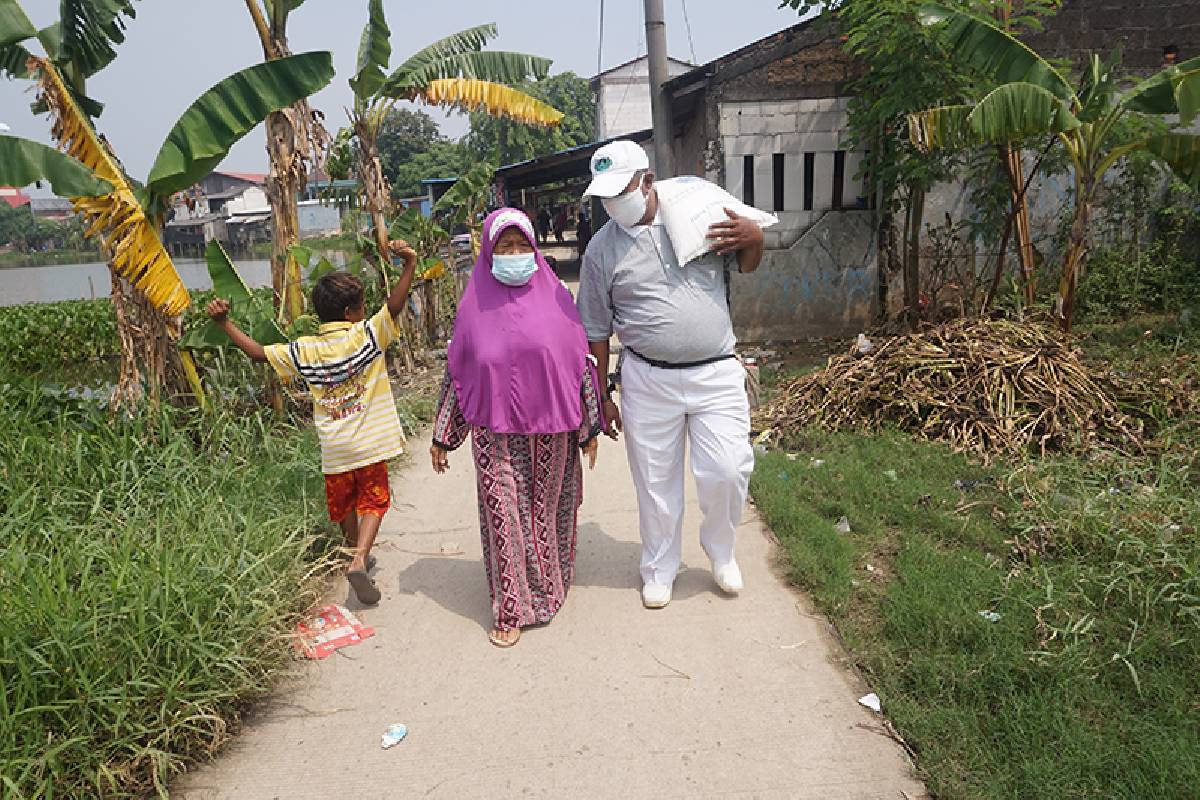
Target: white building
x,y
623,97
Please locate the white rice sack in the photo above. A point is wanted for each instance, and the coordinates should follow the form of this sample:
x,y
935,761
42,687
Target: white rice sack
x,y
689,205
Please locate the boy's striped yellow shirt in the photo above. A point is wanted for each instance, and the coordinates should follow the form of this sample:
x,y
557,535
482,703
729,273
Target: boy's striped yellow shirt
x,y
353,407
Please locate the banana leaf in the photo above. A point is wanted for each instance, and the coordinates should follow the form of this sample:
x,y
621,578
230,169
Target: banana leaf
x,y
23,162
288,6
495,66
248,311
15,26
465,41
1181,152
374,52
324,267
13,61
494,99
1156,94
228,111
89,32
470,186
985,47
304,325
1187,96
1009,113
118,219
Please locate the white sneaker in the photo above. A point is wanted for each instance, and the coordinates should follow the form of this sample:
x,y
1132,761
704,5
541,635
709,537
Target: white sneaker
x,y
656,595
728,577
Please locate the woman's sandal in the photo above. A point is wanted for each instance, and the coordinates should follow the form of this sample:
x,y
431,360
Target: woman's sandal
x,y
494,636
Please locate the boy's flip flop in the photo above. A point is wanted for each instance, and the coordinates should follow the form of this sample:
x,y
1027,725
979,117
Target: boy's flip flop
x,y
364,588
371,561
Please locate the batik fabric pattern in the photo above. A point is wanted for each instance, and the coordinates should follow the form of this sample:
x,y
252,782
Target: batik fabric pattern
x,y
530,488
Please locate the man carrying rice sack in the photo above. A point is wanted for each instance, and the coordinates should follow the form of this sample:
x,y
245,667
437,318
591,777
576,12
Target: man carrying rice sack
x,y
655,275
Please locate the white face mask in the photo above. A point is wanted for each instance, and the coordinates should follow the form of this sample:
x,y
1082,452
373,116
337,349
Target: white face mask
x,y
627,209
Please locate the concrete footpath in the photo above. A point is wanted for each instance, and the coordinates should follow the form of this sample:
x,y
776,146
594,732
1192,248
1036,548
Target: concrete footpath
x,y
711,697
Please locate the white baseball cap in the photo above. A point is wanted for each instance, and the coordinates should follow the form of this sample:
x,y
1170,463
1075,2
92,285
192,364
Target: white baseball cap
x,y
613,167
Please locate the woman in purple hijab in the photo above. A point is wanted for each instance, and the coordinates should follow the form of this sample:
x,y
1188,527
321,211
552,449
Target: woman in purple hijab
x,y
521,383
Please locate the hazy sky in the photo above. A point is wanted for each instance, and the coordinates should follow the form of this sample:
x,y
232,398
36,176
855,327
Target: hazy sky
x,y
176,49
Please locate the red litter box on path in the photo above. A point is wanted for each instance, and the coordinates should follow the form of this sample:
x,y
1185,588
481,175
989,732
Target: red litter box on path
x,y
330,628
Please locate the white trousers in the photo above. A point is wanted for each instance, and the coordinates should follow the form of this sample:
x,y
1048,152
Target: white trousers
x,y
662,409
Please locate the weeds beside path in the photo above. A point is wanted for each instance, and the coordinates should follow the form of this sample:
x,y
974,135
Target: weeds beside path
x,y
1086,684
150,574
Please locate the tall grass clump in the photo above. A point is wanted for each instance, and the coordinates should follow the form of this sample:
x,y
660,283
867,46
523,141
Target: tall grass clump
x,y
150,572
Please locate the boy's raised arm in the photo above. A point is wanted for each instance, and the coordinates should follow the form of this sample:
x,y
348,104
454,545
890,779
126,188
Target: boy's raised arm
x,y
219,311
399,294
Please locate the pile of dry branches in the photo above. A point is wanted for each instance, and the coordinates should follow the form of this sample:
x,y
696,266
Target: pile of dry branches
x,y
989,386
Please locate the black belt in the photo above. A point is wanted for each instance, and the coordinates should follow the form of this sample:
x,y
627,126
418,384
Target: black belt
x,y
686,365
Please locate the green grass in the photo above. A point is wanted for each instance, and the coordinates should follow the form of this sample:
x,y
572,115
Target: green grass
x,y
341,243
149,573
1087,686
38,336
38,259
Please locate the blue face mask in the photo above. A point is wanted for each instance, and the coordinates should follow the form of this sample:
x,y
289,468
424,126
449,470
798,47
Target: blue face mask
x,y
514,270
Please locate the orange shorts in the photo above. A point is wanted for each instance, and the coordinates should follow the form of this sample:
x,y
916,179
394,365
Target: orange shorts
x,y
364,490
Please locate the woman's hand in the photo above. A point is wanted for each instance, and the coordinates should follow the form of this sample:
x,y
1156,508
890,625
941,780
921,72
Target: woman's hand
x,y
590,450
612,419
441,459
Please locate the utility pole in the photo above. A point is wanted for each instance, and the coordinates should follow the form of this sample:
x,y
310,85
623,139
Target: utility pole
x,y
660,104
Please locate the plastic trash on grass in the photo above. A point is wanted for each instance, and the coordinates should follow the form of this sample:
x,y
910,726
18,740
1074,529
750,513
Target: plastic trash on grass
x,y
843,525
872,702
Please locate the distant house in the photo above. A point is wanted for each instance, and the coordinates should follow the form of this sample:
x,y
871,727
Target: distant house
x,y
436,187
13,196
51,208
219,182
207,212
420,203
319,218
232,208
623,96
247,217
323,201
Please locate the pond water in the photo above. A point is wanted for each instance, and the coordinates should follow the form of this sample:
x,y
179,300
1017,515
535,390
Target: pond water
x,y
54,282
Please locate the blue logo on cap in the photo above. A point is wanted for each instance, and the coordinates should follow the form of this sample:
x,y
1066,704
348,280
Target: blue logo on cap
x,y
603,164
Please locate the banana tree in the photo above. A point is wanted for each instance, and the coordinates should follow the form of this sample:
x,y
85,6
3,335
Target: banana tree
x,y
453,72
1091,119
467,199
296,141
128,217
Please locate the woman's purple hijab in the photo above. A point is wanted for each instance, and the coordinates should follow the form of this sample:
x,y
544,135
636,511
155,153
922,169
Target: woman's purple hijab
x,y
518,353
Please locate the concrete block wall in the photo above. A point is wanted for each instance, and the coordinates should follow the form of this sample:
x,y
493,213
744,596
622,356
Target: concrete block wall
x,y
316,218
793,128
826,283
1141,29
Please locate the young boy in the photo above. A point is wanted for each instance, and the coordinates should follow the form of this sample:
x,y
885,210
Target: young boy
x,y
353,409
